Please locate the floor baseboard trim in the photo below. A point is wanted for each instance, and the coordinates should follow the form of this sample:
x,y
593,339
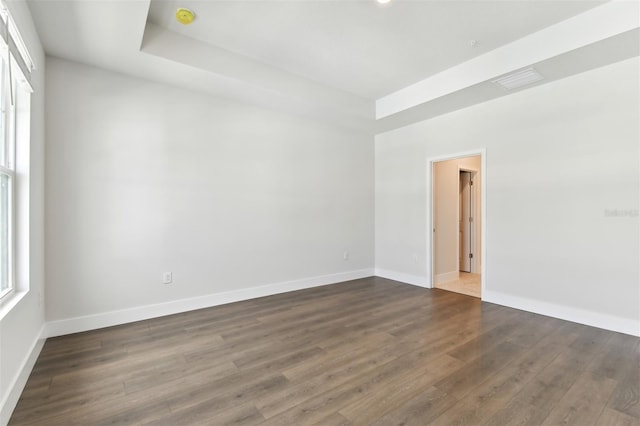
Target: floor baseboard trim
x,y
567,313
20,380
416,280
108,319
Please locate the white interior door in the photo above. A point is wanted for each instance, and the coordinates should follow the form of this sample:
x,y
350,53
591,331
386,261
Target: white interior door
x,y
465,223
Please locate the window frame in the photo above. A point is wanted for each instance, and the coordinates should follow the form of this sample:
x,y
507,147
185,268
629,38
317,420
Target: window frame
x,y
8,85
15,87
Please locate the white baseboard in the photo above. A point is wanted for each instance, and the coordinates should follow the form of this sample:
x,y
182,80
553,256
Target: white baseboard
x,y
108,319
446,277
594,319
416,280
20,380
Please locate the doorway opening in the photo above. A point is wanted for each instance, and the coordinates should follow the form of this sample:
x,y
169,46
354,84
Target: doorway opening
x,y
457,223
466,224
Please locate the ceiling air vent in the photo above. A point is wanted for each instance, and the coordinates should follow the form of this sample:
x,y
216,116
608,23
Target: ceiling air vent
x,y
519,79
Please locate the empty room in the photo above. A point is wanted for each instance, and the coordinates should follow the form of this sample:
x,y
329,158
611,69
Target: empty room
x,y
319,212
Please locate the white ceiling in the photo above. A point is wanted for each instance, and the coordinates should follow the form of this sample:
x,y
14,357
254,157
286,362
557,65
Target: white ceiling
x,y
327,59
360,46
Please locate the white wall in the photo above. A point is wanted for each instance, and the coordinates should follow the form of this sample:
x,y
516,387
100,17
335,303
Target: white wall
x,y
21,326
558,156
446,215
144,178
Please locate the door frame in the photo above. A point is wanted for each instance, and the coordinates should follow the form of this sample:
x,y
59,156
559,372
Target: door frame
x,y
482,152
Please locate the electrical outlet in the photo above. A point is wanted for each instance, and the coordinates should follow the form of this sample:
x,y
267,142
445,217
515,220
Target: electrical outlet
x,y
345,255
167,278
415,258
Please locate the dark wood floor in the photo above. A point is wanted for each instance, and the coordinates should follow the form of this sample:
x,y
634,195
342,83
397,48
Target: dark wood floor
x,y
370,351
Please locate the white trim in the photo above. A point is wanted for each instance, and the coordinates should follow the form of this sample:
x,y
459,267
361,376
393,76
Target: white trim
x,y
567,313
446,277
417,280
9,300
108,319
483,218
482,152
20,380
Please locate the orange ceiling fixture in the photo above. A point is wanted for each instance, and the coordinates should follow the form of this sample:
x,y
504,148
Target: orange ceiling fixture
x,y
185,16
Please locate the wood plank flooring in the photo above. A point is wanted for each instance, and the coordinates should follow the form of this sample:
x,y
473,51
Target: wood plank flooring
x,y
370,351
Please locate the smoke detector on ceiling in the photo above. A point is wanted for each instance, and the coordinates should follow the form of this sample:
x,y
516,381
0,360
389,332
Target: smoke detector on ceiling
x,y
519,79
185,16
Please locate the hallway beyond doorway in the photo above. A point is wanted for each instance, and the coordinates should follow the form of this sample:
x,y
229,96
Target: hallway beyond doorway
x,y
468,283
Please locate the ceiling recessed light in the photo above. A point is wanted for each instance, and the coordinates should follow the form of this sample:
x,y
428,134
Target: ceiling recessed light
x,y
383,1
185,16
